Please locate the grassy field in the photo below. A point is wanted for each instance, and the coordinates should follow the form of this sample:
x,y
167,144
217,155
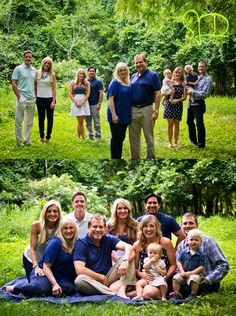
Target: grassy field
x,y
220,121
14,238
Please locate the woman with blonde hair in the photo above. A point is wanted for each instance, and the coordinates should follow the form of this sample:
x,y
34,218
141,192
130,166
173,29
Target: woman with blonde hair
x,y
174,107
119,108
57,264
41,231
46,97
149,231
79,94
122,224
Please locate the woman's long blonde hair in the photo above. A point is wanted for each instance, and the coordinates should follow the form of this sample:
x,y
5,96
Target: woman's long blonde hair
x,y
44,229
145,220
131,224
67,245
50,71
182,76
116,72
85,81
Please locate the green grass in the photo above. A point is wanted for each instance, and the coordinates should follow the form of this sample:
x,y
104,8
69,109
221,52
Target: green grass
x,y
217,304
220,121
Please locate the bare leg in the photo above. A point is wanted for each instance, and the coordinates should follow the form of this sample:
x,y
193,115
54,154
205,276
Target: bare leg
x,y
163,290
122,292
176,287
176,131
194,288
80,127
151,292
170,123
139,289
10,288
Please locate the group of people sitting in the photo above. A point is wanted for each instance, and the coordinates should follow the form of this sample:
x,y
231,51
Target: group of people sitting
x,y
134,259
133,103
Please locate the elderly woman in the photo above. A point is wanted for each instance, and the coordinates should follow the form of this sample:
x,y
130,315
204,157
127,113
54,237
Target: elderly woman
x,y
119,108
79,94
41,231
57,264
46,97
150,232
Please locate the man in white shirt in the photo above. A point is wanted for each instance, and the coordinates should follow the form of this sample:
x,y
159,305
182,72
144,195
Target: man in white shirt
x,y
80,215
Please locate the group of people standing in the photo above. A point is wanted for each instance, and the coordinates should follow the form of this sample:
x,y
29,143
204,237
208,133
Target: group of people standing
x,y
133,102
134,259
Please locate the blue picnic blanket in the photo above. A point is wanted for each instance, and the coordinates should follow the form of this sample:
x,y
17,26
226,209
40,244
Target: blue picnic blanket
x,y
76,298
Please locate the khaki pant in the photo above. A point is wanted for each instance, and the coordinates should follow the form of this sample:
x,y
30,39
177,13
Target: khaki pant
x,y
89,286
195,278
142,119
24,111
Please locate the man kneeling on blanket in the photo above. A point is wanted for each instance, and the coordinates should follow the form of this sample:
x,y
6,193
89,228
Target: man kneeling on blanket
x,y
93,262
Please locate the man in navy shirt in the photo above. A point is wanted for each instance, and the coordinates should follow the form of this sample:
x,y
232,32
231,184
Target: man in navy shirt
x,y
93,262
146,88
168,223
95,101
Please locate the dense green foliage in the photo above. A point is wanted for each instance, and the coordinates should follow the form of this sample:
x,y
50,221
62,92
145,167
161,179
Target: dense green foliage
x,y
15,236
205,187
104,32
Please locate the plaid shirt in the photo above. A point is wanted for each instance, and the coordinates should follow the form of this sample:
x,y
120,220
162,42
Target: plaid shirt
x,y
216,265
203,88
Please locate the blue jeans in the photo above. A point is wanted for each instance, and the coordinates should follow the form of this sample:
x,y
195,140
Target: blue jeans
x,y
196,113
40,286
28,266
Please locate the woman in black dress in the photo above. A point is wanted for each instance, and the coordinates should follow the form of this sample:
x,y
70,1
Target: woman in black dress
x,y
174,107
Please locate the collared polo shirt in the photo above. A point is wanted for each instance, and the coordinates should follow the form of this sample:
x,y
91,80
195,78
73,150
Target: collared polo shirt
x,y
26,77
96,258
168,224
144,86
95,87
82,226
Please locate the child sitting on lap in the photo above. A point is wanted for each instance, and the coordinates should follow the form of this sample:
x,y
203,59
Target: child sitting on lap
x,y
155,266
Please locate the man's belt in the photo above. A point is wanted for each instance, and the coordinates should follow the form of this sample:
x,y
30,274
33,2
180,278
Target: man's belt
x,y
141,105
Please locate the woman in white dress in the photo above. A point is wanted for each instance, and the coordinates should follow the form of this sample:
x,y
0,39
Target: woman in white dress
x,y
79,94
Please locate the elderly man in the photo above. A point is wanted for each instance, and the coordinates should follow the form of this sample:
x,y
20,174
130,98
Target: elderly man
x,y
23,84
80,215
93,263
146,88
197,109
216,265
95,101
168,223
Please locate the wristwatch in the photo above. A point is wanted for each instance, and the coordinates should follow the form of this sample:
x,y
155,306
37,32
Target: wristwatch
x,y
125,259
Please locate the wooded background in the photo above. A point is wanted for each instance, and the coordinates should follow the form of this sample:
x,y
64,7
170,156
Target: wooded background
x,y
205,187
103,32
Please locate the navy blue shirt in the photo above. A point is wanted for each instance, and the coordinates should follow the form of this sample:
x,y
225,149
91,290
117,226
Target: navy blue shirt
x,y
96,258
168,224
61,261
95,87
122,100
191,78
144,86
191,262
